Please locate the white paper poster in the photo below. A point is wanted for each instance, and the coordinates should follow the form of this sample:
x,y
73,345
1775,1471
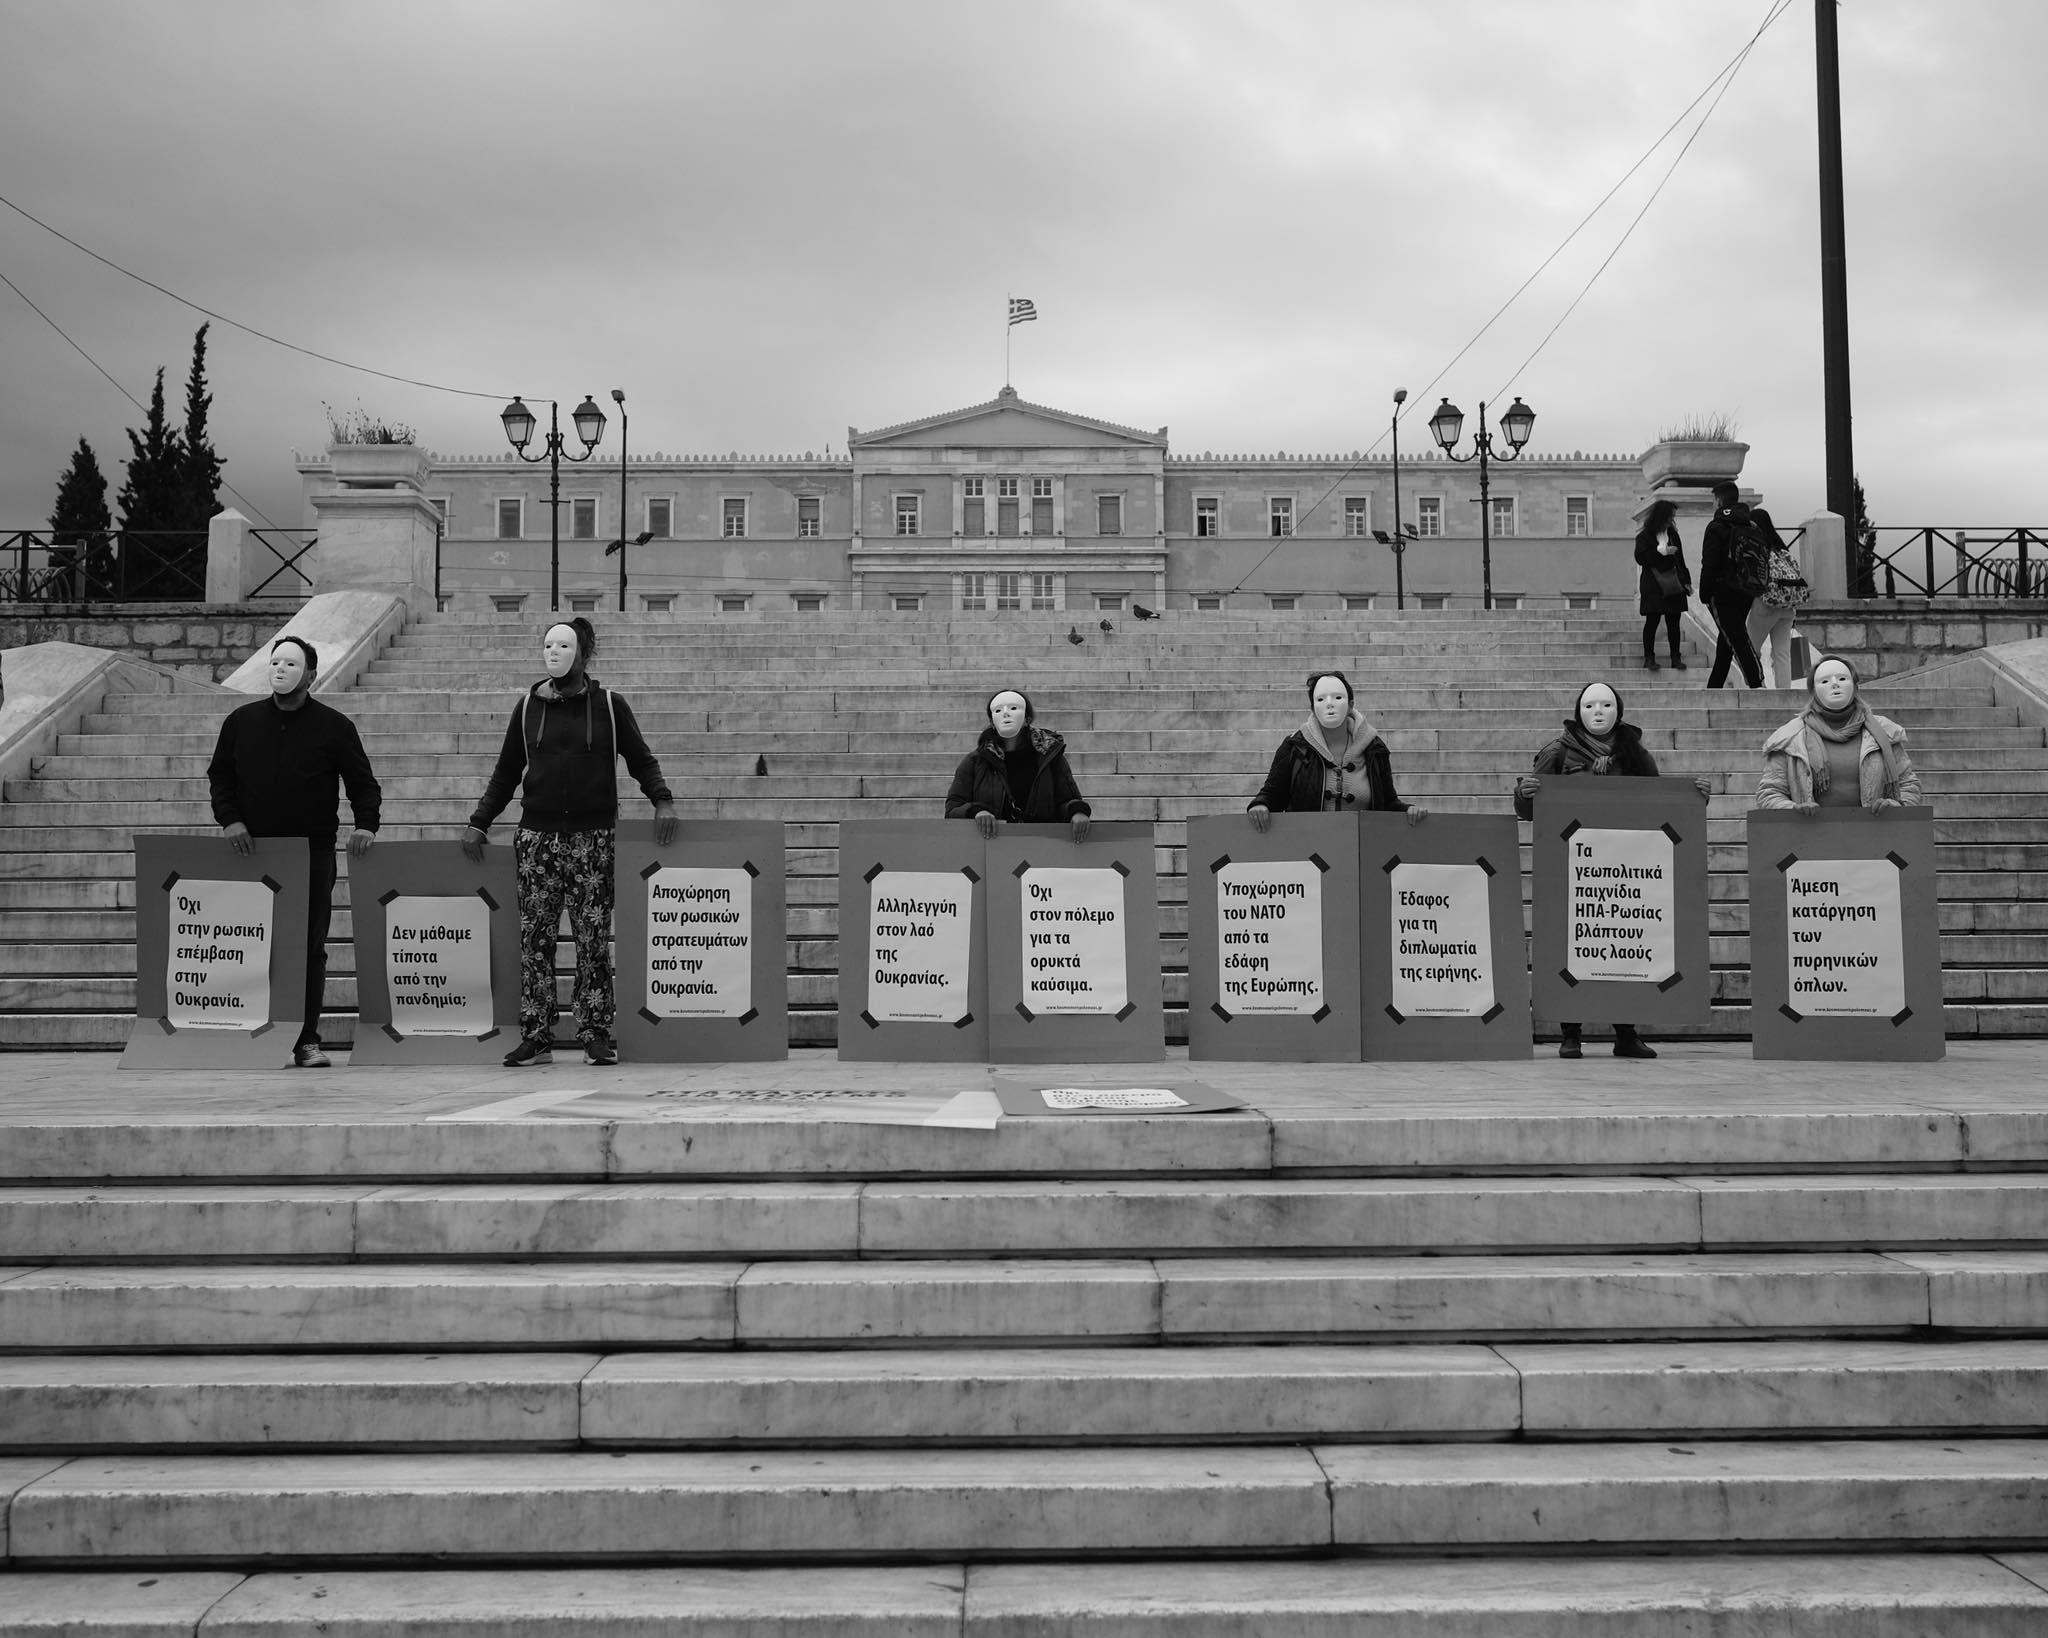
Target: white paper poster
x,y
218,976
1443,941
1269,948
700,942
1845,929
437,964
1074,941
920,946
1622,906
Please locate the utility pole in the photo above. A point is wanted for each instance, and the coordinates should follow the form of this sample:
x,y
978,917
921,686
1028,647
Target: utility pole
x,y
1834,282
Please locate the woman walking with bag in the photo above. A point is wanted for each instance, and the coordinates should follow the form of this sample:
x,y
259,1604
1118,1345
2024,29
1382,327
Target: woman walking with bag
x,y
1665,582
1772,614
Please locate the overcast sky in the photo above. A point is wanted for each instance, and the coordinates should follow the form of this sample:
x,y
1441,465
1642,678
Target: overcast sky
x,y
1249,220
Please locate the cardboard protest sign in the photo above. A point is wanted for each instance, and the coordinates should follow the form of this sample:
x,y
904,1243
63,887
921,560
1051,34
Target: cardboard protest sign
x,y
1039,1099
913,973
1845,935
1445,966
971,1109
1273,938
702,943
1073,946
437,954
1619,891
220,953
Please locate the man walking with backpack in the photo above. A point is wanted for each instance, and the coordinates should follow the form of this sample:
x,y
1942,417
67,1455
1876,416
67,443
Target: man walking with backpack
x,y
1735,569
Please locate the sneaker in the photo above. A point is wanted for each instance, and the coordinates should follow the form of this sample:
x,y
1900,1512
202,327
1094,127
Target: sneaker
x,y
308,1055
1678,664
1633,1046
528,1053
1649,662
600,1049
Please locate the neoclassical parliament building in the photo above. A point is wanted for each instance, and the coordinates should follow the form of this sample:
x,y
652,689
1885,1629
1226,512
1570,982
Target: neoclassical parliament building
x,y
1012,506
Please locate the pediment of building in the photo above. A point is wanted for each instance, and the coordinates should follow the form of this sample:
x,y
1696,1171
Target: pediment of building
x,y
1006,421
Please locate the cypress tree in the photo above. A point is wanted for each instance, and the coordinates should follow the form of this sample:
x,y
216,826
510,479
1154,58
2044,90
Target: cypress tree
x,y
79,525
153,504
202,461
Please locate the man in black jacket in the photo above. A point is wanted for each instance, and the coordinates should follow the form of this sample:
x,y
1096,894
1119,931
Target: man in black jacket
x,y
278,770
1722,593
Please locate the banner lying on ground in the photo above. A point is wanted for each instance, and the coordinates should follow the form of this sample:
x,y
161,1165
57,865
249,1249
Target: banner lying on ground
x,y
1619,899
1844,935
970,1108
437,954
220,953
913,975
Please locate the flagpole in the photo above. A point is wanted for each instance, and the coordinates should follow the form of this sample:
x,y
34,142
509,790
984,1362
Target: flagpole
x,y
1007,328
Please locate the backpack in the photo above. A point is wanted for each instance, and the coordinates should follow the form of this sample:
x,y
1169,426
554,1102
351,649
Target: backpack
x,y
1788,587
1749,559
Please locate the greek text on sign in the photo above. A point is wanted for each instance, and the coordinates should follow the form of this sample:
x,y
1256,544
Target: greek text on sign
x,y
1117,1097
700,942
1443,941
1622,906
1074,941
920,946
1269,946
1845,929
437,964
218,976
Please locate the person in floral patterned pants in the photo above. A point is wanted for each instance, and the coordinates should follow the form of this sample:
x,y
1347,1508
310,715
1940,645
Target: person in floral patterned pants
x,y
561,752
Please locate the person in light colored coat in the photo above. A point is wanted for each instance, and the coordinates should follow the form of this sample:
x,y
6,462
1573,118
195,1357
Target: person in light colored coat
x,y
1836,753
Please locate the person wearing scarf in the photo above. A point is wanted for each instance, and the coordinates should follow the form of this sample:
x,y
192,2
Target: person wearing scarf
x,y
1836,753
561,751
1016,772
1333,763
1595,741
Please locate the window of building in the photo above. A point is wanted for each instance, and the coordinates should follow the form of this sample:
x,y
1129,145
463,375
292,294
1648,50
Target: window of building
x,y
658,602
1006,512
1358,514
735,518
1358,602
1109,514
1280,515
1280,602
973,518
1110,602
908,511
1041,514
1006,489
1041,591
511,604
808,602
810,520
1041,489
1208,517
511,519
907,602
1503,514
1507,600
1581,600
1578,514
1429,516
1432,600
1208,602
583,518
582,605
974,591
732,604
972,488
661,517
1006,593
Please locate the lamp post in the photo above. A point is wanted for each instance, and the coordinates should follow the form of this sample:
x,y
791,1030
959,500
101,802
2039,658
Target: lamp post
x,y
1446,424
1397,540
619,398
589,423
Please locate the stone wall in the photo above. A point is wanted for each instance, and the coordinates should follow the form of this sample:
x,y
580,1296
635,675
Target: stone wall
x,y
1884,635
195,639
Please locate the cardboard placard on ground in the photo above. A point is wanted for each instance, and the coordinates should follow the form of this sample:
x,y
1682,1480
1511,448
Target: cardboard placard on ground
x,y
422,883
1049,1098
260,898
918,992
1273,956
1618,930
970,1108
1085,895
1845,935
712,904
1445,965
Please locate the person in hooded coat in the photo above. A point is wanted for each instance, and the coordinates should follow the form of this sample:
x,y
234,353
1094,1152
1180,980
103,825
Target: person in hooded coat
x,y
561,752
1663,583
1016,772
1333,763
1836,753
1595,741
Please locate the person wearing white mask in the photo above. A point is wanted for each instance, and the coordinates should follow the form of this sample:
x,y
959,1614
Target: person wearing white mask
x,y
1595,741
1835,753
278,769
1016,772
1333,763
561,752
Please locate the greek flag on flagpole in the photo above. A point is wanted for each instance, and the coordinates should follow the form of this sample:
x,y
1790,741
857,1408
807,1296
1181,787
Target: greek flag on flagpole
x,y
1022,311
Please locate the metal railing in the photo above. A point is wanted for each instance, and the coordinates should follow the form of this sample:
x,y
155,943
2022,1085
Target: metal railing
x,y
1919,560
112,566
288,546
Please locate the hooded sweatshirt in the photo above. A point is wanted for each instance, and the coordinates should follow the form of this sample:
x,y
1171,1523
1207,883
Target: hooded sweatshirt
x,y
562,741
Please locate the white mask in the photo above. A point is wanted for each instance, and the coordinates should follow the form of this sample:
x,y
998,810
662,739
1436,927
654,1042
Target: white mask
x,y
1598,709
1834,685
558,650
287,668
1330,702
1006,711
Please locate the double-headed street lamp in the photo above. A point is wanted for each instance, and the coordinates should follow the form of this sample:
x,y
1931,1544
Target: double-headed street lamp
x,y
519,423
1445,425
1402,533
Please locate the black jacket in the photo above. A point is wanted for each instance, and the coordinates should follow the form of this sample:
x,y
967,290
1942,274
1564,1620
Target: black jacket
x,y
1564,755
980,785
281,772
1294,784
1716,582
1650,598
564,747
